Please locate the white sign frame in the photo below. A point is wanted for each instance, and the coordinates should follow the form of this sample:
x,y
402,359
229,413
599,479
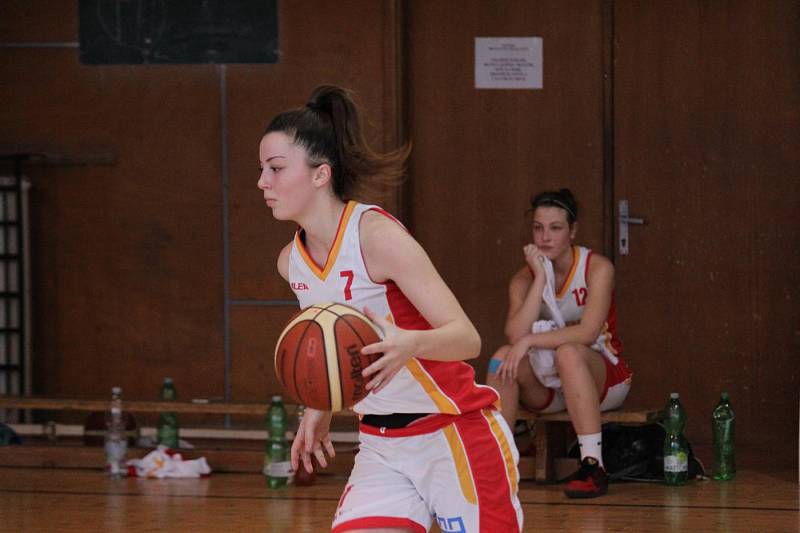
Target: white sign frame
x,y
509,63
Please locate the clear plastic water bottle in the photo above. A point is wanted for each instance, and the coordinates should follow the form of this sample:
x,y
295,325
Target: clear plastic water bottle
x,y
301,476
277,466
723,429
116,444
167,432
676,453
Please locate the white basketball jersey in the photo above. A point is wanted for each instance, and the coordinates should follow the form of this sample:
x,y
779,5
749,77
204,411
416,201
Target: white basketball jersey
x,y
571,299
423,386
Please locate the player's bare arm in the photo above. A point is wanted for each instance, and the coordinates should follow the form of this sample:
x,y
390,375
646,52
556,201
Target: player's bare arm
x,y
283,261
391,253
524,303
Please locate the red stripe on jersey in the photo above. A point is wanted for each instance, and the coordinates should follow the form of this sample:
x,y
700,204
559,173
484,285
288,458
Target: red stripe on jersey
x,y
611,320
486,464
456,379
404,314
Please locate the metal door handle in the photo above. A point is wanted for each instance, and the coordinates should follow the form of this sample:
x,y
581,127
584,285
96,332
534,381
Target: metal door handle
x,y
624,220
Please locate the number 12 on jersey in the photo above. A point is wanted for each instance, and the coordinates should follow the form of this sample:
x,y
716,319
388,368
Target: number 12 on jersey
x,y
579,294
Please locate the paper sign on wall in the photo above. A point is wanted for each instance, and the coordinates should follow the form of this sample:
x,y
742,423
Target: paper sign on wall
x,y
508,62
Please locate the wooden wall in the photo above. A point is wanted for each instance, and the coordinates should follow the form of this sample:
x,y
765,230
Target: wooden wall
x,y
130,277
130,281
706,150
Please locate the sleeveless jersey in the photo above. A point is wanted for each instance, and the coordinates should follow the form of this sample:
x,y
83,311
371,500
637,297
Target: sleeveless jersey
x,y
422,386
572,295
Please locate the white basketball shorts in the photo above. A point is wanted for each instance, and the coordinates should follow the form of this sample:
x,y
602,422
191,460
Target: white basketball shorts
x,y
458,470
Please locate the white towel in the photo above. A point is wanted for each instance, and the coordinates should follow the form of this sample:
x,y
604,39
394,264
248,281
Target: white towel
x,y
543,360
160,464
549,294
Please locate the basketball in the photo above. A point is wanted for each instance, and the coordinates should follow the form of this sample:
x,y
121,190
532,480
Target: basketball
x,y
318,357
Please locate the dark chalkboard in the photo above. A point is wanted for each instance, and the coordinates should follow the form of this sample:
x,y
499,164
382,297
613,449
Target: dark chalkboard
x,y
178,31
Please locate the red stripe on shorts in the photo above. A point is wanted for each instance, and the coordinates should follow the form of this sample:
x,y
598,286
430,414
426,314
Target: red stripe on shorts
x,y
488,468
376,522
615,374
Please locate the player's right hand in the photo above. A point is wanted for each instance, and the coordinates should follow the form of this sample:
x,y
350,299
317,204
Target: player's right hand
x,y
535,259
312,437
397,347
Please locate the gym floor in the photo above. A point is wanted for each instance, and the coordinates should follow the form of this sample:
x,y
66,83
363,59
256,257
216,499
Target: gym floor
x,y
763,497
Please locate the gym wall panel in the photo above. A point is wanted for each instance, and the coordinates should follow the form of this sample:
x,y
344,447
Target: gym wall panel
x,y
128,258
125,257
38,21
707,152
255,331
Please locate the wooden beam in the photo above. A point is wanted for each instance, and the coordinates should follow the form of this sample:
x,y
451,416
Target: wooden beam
x,y
44,157
622,417
54,431
141,406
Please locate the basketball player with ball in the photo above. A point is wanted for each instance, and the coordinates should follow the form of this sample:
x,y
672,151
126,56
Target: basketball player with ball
x,y
433,445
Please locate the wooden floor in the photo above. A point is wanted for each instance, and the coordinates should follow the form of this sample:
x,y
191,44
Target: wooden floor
x,y
761,499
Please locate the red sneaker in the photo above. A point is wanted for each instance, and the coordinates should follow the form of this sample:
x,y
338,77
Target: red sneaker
x,y
589,481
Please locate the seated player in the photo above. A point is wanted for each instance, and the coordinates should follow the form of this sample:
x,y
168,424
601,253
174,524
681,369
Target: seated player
x,y
586,373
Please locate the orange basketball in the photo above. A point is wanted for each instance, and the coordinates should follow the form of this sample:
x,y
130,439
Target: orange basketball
x,y
318,358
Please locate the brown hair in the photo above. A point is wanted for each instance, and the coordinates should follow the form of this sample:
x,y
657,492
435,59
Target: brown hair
x,y
329,128
562,198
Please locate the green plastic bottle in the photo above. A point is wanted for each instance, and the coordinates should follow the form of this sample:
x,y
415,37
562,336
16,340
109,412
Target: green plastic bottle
x,y
676,453
277,466
167,431
723,430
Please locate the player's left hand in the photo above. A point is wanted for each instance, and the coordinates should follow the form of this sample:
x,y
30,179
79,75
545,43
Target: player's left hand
x,y
312,438
398,346
507,371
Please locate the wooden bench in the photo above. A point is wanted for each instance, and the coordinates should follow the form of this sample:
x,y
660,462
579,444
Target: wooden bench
x,y
206,407
552,433
54,445
139,406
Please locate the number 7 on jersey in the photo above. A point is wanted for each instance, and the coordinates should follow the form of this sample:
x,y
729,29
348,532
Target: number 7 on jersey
x,y
348,295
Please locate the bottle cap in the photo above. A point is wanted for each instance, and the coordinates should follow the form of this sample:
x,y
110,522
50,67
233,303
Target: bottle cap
x,y
277,399
724,396
674,395
116,390
167,380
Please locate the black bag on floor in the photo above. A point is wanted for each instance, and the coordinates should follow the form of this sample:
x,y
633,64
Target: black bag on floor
x,y
635,453
8,435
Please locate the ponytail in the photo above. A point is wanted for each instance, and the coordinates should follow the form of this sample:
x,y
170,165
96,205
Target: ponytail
x,y
329,128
